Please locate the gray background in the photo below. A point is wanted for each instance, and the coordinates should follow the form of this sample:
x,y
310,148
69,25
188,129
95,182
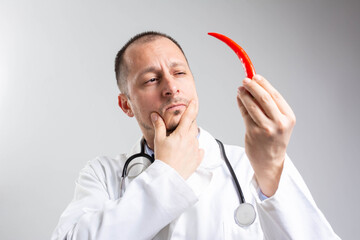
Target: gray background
x,y
58,97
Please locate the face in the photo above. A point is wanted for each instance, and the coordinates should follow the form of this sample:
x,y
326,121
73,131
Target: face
x,y
159,80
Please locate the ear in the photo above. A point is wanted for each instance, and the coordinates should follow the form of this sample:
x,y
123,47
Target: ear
x,y
124,104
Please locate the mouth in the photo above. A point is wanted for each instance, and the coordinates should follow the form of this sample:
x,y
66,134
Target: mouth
x,y
175,107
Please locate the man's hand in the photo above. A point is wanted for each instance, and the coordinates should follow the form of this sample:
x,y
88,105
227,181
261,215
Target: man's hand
x,y
269,121
180,149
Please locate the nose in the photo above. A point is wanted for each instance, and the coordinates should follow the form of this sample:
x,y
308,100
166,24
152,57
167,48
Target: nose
x,y
170,87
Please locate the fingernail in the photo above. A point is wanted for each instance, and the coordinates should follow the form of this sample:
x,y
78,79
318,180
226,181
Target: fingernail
x,y
154,117
246,81
241,89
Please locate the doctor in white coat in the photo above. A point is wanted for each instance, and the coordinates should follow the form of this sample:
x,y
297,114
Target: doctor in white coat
x,y
188,192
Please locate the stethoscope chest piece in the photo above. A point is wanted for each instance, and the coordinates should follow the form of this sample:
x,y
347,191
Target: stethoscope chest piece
x,y
245,215
137,166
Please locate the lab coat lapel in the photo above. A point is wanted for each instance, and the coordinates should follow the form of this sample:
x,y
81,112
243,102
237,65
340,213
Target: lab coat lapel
x,y
212,156
135,148
201,178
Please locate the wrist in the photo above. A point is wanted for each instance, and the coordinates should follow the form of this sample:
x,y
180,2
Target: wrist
x,y
268,178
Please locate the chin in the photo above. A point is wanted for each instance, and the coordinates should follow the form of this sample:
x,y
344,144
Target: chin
x,y
172,125
173,120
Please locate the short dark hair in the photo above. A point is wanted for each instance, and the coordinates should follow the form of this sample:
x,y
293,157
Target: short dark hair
x,y
120,66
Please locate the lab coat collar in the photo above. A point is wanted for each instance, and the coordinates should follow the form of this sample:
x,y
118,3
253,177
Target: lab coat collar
x,y
212,155
136,148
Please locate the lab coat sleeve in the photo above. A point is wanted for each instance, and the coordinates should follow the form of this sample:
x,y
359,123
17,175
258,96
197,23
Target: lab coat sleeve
x,y
151,201
291,213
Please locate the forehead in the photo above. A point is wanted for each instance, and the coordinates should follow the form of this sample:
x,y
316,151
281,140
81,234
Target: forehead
x,y
159,50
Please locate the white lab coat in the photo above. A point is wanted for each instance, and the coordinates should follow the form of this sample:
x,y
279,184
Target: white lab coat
x,y
160,204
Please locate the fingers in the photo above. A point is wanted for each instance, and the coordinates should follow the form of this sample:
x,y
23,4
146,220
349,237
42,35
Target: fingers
x,y
275,95
244,112
188,117
263,98
250,110
159,126
194,131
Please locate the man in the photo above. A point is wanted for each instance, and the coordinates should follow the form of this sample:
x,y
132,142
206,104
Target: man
x,y
187,192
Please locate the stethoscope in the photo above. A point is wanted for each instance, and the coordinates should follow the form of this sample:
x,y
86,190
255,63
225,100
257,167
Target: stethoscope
x,y
244,214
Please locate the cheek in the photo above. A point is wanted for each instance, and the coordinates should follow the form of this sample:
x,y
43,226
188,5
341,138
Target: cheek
x,y
192,94
144,107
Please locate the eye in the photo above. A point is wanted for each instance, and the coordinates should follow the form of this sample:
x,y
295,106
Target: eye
x,y
180,73
151,80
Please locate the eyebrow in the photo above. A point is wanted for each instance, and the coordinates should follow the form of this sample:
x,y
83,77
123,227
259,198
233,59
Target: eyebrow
x,y
154,69
147,70
175,64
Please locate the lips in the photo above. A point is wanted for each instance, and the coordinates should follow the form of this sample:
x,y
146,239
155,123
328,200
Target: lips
x,y
175,106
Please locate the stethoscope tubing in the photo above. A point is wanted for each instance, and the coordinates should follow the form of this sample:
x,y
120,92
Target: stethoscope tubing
x,y
151,159
141,154
244,215
231,170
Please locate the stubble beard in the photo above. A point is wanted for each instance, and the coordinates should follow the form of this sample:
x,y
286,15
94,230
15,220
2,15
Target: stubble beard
x,y
172,127
169,128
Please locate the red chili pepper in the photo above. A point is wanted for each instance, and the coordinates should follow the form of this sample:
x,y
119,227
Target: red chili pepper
x,y
244,58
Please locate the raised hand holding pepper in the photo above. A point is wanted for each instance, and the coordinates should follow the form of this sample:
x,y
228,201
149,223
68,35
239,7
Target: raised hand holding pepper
x,y
269,121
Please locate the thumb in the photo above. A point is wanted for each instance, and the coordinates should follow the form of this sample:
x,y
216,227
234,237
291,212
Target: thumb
x,y
159,125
